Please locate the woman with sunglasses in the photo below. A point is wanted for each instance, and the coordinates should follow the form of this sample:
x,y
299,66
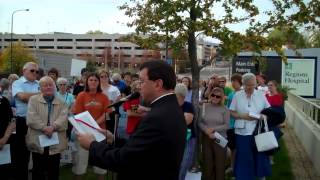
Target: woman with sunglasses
x,y
215,118
93,100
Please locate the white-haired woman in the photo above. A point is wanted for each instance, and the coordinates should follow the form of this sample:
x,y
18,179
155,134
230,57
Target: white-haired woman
x,y
46,118
249,163
181,92
66,97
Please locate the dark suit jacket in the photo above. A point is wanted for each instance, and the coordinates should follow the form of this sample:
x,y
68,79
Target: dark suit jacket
x,y
154,151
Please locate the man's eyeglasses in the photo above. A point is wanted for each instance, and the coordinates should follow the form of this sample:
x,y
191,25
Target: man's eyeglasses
x,y
215,96
34,71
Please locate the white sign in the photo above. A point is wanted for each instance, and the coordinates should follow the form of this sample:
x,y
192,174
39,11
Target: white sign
x,y
76,66
299,74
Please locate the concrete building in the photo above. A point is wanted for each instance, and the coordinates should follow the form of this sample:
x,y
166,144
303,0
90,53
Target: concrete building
x,y
104,48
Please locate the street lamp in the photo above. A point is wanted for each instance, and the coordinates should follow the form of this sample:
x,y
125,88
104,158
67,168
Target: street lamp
x,y
11,62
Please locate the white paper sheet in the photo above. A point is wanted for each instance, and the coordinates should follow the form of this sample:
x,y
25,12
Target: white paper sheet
x,y
83,128
254,115
46,141
220,140
5,155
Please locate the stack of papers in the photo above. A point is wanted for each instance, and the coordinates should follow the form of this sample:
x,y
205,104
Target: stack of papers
x,y
220,140
86,125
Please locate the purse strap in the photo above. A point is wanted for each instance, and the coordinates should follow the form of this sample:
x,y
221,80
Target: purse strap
x,y
266,128
264,121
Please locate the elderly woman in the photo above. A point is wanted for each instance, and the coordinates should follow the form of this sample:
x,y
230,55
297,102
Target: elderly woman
x,y
181,91
215,118
249,163
46,119
66,97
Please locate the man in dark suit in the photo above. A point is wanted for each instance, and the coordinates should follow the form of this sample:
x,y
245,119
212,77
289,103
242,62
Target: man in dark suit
x,y
156,148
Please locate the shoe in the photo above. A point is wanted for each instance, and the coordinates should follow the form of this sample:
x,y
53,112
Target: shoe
x,y
229,170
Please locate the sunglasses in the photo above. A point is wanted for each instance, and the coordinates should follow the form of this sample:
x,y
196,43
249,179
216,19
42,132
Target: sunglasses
x,y
216,96
34,71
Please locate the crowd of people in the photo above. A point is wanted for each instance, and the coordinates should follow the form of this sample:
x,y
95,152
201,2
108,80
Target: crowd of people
x,y
34,107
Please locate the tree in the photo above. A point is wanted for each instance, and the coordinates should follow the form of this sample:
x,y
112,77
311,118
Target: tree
x,y
95,32
314,39
20,56
182,19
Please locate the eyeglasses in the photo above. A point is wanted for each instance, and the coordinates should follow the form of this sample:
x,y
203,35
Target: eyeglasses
x,y
34,71
103,76
215,96
62,84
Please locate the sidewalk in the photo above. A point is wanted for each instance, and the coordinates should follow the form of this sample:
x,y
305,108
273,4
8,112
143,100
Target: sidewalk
x,y
302,167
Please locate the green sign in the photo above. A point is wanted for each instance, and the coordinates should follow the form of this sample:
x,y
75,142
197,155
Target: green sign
x,y
299,74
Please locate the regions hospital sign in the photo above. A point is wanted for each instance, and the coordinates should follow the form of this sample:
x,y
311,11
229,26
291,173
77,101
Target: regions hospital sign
x,y
299,73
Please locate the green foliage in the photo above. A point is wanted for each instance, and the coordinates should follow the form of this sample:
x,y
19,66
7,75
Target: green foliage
x,y
314,39
95,32
283,89
20,55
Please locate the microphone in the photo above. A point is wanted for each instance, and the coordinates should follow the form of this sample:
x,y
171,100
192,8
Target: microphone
x,y
127,98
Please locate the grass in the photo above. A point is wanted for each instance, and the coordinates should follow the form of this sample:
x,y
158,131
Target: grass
x,y
66,174
280,170
282,164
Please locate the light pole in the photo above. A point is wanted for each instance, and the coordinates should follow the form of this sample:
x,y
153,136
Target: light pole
x,y
11,61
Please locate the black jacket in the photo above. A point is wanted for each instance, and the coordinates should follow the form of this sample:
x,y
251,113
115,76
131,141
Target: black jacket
x,y
154,151
6,115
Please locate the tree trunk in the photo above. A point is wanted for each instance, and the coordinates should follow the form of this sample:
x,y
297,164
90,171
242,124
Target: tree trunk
x,y
195,70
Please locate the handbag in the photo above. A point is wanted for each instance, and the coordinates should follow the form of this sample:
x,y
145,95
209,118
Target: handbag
x,y
265,141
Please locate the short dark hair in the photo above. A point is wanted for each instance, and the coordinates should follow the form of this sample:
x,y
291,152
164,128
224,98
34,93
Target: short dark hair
x,y
54,71
86,89
83,70
237,77
160,70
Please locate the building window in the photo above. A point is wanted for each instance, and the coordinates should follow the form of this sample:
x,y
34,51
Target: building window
x,y
116,48
31,47
116,40
98,55
84,40
64,40
64,47
125,47
101,47
27,39
10,40
46,47
138,55
102,40
84,47
46,39
127,55
137,48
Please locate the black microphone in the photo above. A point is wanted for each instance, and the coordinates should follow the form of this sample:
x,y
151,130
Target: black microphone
x,y
127,98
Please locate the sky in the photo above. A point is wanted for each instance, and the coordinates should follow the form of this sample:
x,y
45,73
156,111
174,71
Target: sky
x,y
76,16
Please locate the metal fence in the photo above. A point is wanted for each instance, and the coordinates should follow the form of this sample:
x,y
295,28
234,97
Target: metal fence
x,y
309,107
